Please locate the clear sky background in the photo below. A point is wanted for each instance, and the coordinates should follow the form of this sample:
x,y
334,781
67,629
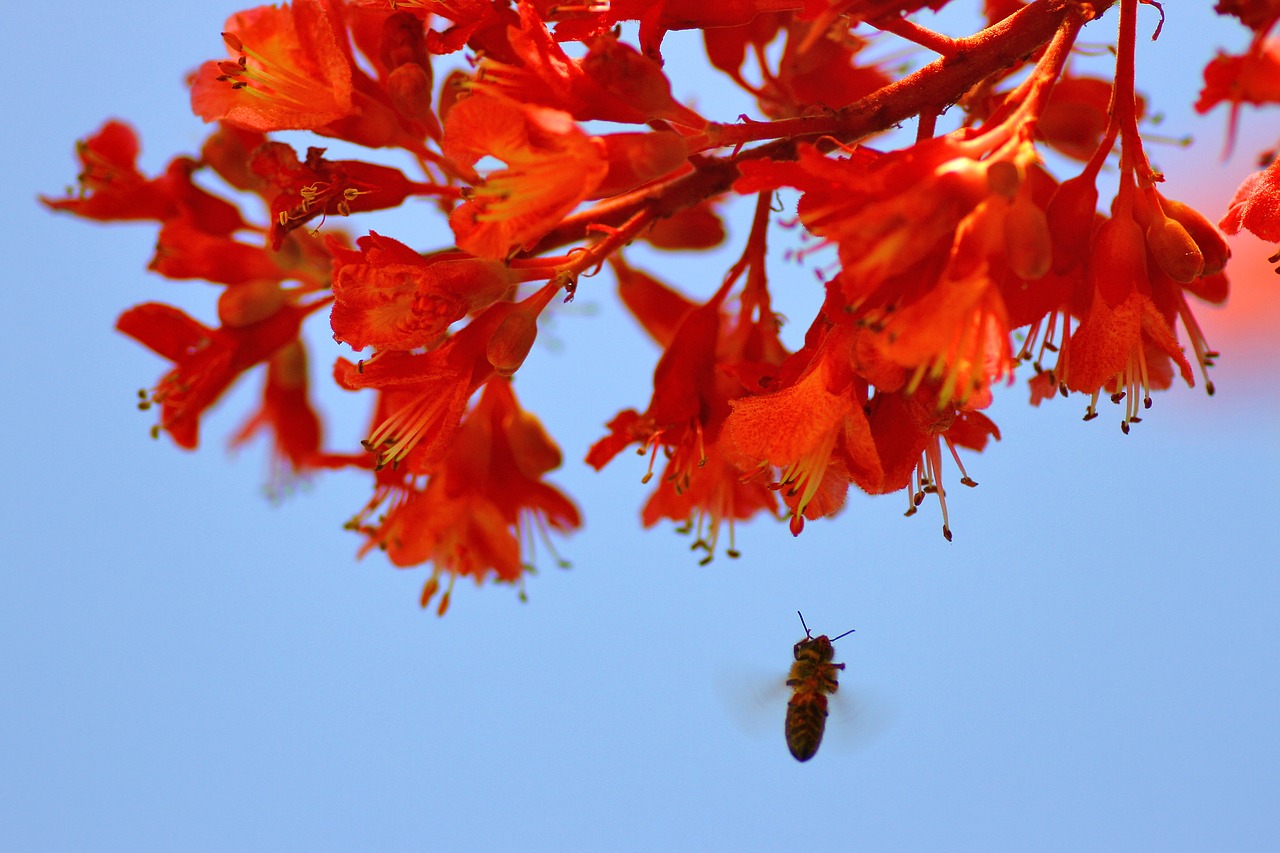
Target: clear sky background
x,y
1091,664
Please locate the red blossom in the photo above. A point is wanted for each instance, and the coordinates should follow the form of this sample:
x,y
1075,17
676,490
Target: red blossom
x,y
183,250
613,82
1251,78
943,264
1256,205
288,416
298,192
812,430
292,69
112,188
423,395
206,361
477,512
551,165
700,375
388,296
1257,15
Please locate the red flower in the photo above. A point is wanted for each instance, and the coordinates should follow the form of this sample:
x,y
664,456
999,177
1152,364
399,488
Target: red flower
x,y
480,509
813,71
551,165
423,395
1256,205
1252,78
1257,15
299,192
910,432
660,17
705,367
388,296
184,251
112,188
288,415
813,431
206,361
293,70
613,82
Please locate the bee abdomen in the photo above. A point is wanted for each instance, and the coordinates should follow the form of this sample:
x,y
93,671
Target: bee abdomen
x,y
806,720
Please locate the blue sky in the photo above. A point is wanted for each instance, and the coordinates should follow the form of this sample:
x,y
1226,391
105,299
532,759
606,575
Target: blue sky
x,y
1091,664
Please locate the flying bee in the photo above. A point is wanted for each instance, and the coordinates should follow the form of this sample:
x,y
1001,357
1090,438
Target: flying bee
x,y
812,677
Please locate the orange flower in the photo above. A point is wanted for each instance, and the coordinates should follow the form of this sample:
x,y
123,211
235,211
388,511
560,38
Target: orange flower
x,y
813,431
479,511
293,70
388,296
423,395
703,369
551,165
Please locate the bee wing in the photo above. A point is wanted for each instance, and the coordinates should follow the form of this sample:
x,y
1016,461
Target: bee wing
x,y
857,715
755,699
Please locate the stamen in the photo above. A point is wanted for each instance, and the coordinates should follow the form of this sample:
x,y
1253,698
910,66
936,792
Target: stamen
x,y
1204,356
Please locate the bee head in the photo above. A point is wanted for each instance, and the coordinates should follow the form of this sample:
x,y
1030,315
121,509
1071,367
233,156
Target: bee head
x,y
820,643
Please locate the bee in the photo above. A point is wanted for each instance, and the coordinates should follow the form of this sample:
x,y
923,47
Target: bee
x,y
812,677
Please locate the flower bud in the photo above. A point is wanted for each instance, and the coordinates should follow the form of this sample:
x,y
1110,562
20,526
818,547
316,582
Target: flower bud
x,y
252,302
1028,246
1003,179
1212,245
1118,260
402,41
1174,250
409,86
511,342
1070,216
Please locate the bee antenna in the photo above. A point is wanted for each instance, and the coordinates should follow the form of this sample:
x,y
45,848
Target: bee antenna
x,y
806,627
845,634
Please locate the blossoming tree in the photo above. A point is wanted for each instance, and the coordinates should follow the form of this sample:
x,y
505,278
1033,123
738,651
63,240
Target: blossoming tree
x,y
553,142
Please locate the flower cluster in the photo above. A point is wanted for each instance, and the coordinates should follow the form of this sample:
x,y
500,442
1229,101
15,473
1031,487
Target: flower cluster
x,y
549,143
